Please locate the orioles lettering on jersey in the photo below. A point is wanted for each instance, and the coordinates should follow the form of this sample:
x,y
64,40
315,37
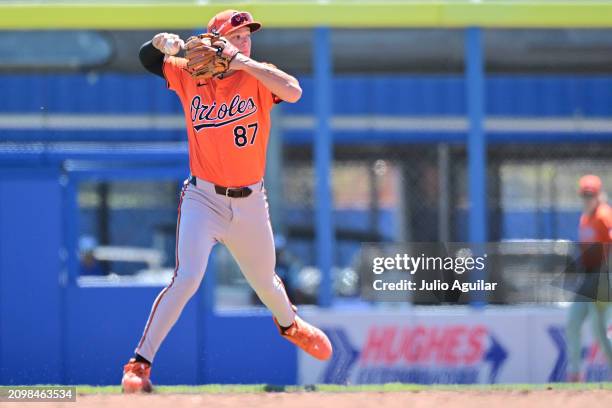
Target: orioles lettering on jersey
x,y
203,116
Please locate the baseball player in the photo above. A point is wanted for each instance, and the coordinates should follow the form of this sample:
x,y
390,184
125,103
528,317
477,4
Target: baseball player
x,y
595,234
223,200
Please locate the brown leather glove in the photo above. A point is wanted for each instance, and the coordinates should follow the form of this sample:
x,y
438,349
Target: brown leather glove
x,y
208,55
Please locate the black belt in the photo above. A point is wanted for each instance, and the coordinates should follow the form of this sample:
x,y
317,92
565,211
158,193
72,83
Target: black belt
x,y
237,192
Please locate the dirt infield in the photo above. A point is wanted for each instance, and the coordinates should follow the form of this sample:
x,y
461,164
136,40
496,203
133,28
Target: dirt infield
x,y
416,399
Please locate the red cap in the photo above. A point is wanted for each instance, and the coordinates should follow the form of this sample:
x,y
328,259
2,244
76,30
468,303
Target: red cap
x,y
230,20
590,184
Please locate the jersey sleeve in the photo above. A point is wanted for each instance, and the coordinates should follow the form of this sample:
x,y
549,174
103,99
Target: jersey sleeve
x,y
173,69
605,218
267,97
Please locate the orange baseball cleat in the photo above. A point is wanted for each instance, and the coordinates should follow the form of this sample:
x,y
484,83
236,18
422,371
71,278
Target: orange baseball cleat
x,y
307,337
136,377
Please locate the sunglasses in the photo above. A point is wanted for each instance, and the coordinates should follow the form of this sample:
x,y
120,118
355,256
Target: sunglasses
x,y
239,18
587,195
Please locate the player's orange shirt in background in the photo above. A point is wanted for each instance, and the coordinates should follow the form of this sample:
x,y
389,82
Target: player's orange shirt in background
x,y
596,228
228,124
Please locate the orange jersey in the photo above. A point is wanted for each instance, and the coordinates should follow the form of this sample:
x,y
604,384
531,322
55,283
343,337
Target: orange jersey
x,y
228,124
596,228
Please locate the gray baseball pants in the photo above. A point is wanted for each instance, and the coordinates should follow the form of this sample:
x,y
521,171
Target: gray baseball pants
x,y
243,226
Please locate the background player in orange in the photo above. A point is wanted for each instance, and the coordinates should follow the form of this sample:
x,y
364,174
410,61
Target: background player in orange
x,y
224,200
595,234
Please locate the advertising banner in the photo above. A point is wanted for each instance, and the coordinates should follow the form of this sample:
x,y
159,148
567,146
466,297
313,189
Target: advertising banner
x,y
448,345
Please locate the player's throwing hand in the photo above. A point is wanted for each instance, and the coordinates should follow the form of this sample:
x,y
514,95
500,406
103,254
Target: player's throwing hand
x,y
169,44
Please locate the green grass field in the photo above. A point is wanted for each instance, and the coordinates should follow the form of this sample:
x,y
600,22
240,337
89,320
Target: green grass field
x,y
394,387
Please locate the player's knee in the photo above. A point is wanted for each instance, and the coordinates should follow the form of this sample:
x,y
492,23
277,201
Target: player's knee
x,y
187,284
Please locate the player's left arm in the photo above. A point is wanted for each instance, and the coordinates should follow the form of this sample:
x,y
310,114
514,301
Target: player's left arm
x,y
281,84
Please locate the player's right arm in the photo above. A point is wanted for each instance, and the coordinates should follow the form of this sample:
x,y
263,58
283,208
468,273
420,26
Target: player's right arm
x,y
152,52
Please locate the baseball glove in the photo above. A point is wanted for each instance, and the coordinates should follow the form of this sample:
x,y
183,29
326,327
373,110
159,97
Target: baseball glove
x,y
208,55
